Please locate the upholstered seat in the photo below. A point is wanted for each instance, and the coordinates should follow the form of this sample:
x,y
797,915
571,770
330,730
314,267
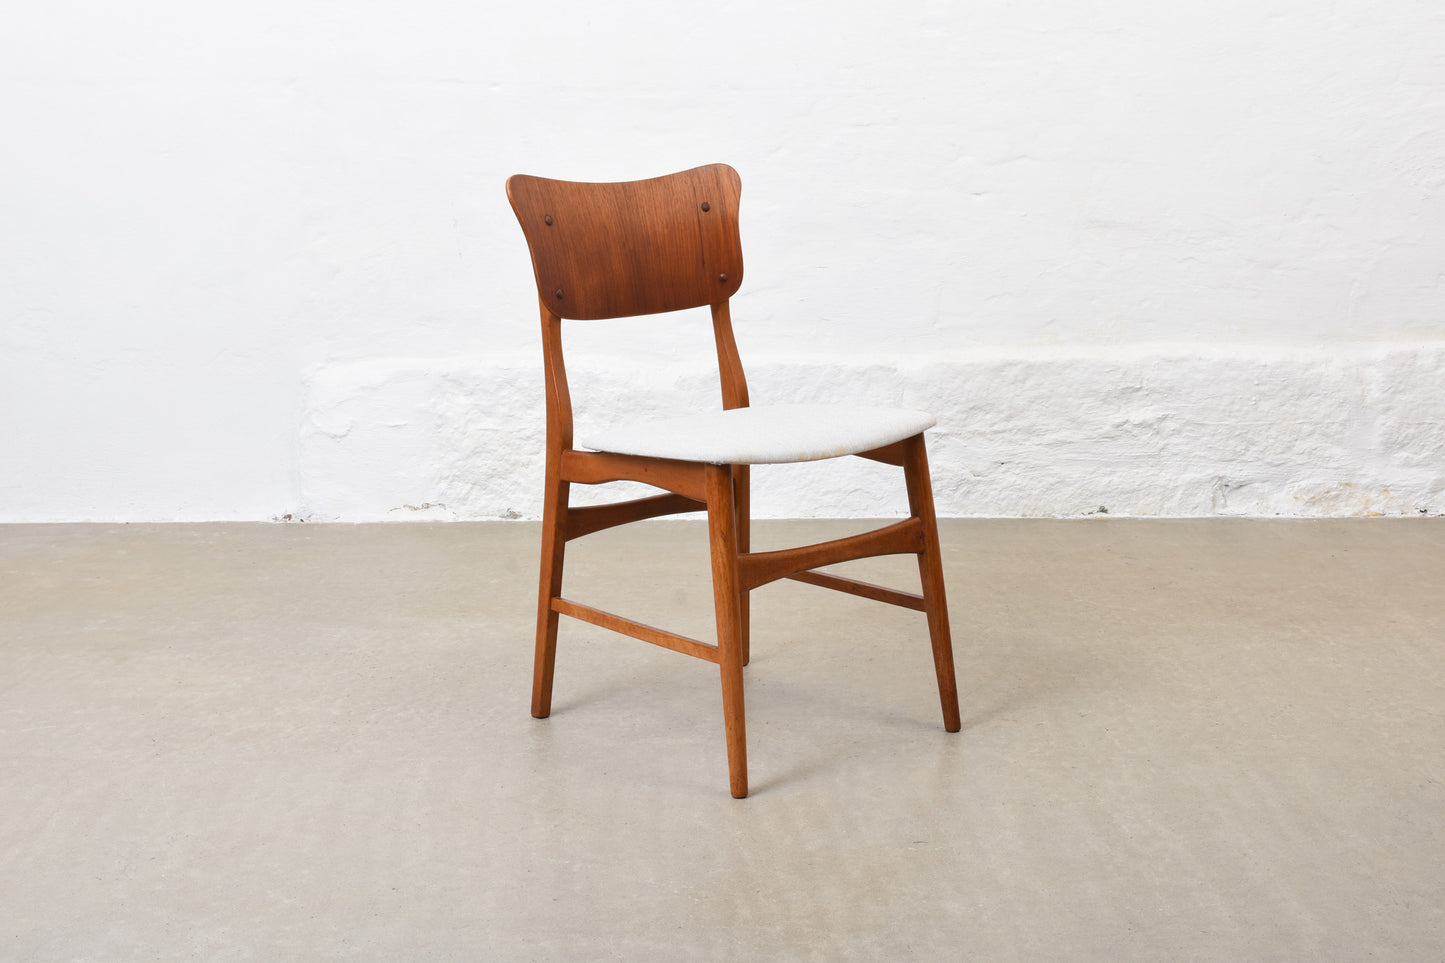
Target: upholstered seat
x,y
763,435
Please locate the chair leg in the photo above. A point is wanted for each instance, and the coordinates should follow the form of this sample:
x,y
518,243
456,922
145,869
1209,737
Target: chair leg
x,y
743,500
554,541
723,539
930,570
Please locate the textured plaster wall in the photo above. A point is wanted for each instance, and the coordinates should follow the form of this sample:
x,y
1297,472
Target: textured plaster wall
x,y
1152,430
1184,258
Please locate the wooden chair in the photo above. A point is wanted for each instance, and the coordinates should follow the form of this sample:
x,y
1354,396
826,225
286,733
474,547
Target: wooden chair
x,y
666,244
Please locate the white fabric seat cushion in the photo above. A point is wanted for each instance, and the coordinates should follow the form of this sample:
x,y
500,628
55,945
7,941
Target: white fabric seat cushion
x,y
773,434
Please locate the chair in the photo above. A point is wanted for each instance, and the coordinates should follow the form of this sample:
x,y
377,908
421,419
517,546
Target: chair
x,y
666,244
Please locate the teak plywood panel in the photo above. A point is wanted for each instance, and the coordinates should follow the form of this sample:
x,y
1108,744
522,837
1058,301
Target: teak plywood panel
x,y
633,247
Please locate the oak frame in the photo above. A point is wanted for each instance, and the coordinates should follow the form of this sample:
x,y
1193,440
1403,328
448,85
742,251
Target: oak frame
x,y
720,490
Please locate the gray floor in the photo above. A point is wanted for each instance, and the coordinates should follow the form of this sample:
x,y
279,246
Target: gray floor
x,y
1215,740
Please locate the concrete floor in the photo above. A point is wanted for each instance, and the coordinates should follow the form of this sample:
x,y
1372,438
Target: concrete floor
x,y
1210,740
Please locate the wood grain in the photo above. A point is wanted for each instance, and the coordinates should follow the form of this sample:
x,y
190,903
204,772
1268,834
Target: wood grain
x,y
597,467
900,538
638,630
722,539
596,518
930,571
612,250
867,590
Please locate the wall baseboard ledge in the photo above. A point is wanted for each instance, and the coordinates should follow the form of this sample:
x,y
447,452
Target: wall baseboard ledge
x,y
1141,430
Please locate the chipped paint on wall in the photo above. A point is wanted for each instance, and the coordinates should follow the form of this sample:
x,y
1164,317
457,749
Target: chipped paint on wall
x,y
1163,430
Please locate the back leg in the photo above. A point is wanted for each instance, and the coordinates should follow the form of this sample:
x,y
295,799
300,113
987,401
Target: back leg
x,y
930,570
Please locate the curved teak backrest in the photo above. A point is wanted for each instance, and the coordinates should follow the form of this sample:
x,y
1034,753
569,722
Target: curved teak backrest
x,y
633,247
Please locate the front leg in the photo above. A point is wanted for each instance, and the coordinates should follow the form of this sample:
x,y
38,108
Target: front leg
x,y
723,540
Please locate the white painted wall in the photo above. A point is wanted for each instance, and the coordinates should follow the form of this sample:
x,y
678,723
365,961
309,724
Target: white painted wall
x,y
1183,258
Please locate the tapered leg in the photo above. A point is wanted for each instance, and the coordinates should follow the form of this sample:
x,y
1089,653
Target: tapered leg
x,y
723,538
742,497
554,541
930,570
